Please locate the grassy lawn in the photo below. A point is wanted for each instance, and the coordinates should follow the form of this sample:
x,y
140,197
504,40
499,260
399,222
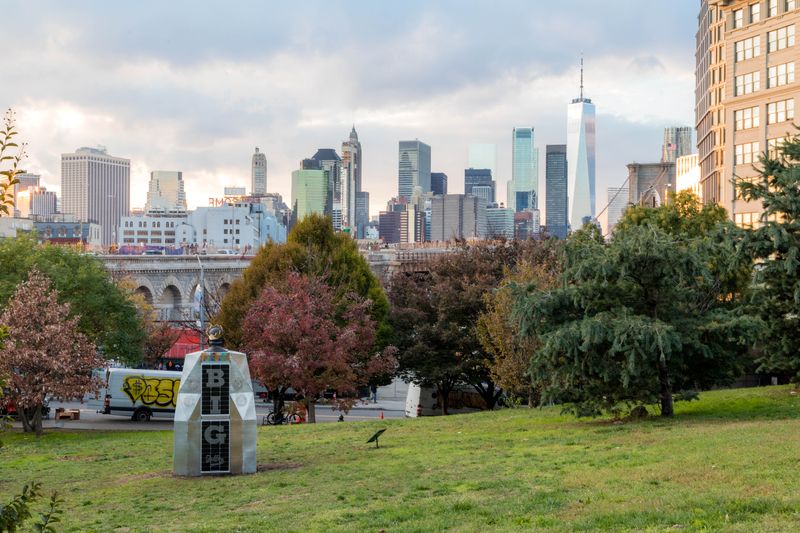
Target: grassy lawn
x,y
729,462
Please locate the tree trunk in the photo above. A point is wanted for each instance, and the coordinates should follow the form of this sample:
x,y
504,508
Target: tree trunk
x,y
666,389
310,412
278,403
444,397
530,397
37,420
23,413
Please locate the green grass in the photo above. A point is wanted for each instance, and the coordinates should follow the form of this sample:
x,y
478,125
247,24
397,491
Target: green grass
x,y
729,462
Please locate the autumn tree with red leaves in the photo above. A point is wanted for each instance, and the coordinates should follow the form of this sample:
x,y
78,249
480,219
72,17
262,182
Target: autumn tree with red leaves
x,y
300,335
43,354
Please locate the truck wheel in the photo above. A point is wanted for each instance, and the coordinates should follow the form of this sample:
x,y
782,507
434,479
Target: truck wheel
x,y
142,415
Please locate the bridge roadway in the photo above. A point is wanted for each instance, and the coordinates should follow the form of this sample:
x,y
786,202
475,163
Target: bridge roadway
x,y
170,282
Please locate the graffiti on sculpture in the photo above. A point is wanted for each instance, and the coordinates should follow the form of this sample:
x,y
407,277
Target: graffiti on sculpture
x,y
160,392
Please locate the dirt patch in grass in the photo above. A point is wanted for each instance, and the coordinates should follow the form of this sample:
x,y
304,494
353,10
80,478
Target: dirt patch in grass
x,y
85,458
266,467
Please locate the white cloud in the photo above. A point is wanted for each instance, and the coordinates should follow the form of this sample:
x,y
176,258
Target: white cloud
x,y
172,99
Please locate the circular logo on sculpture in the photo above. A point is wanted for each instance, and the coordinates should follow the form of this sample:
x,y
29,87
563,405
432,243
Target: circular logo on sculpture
x,y
241,400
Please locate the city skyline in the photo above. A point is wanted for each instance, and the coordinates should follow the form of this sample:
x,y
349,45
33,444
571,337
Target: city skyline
x,y
115,90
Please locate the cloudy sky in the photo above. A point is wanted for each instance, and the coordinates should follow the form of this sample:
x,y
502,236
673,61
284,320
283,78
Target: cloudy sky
x,y
195,86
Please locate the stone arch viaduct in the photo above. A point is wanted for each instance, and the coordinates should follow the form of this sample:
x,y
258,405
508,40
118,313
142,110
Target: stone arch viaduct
x,y
170,283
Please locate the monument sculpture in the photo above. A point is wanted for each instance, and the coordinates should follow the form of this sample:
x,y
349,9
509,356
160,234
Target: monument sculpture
x,y
215,414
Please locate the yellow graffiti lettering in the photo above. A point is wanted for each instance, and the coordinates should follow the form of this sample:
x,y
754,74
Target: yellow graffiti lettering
x,y
161,392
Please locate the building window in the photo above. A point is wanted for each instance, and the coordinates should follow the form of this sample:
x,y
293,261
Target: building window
x,y
738,18
745,154
773,8
746,220
780,111
748,83
774,147
755,12
790,4
780,75
749,48
747,118
780,38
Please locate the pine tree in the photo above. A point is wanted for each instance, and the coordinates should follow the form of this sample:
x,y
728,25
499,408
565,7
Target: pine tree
x,y
776,246
639,320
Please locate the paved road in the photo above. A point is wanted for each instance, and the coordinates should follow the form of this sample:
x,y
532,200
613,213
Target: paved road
x,y
90,419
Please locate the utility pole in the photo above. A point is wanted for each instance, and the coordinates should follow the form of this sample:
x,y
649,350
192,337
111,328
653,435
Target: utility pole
x,y
202,303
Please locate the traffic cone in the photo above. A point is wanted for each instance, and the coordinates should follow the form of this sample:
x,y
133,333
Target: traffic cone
x,y
381,414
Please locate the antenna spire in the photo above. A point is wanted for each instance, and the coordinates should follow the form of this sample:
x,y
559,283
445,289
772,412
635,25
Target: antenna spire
x,y
581,75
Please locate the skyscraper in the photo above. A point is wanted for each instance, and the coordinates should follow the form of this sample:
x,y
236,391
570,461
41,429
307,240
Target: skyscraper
x,y
457,216
258,174
677,143
438,183
35,201
499,222
351,183
556,186
362,214
485,193
478,177
96,187
25,181
330,162
414,168
524,168
309,190
165,193
581,159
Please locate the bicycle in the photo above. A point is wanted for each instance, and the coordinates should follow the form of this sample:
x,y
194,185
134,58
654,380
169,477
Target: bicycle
x,y
276,419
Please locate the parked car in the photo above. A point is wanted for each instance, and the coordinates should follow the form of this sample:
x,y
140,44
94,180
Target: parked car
x,y
9,408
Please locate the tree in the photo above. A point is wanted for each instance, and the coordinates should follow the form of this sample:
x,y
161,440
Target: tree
x,y
776,245
15,513
299,336
640,320
435,316
9,164
510,353
159,336
682,214
108,315
312,248
45,354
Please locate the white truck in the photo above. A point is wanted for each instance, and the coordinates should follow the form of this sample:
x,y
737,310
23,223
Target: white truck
x,y
423,401
138,393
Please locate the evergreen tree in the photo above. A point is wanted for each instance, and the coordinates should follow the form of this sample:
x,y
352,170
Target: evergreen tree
x,y
638,320
776,246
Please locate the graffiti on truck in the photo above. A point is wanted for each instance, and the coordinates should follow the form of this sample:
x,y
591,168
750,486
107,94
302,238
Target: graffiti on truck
x,y
161,392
